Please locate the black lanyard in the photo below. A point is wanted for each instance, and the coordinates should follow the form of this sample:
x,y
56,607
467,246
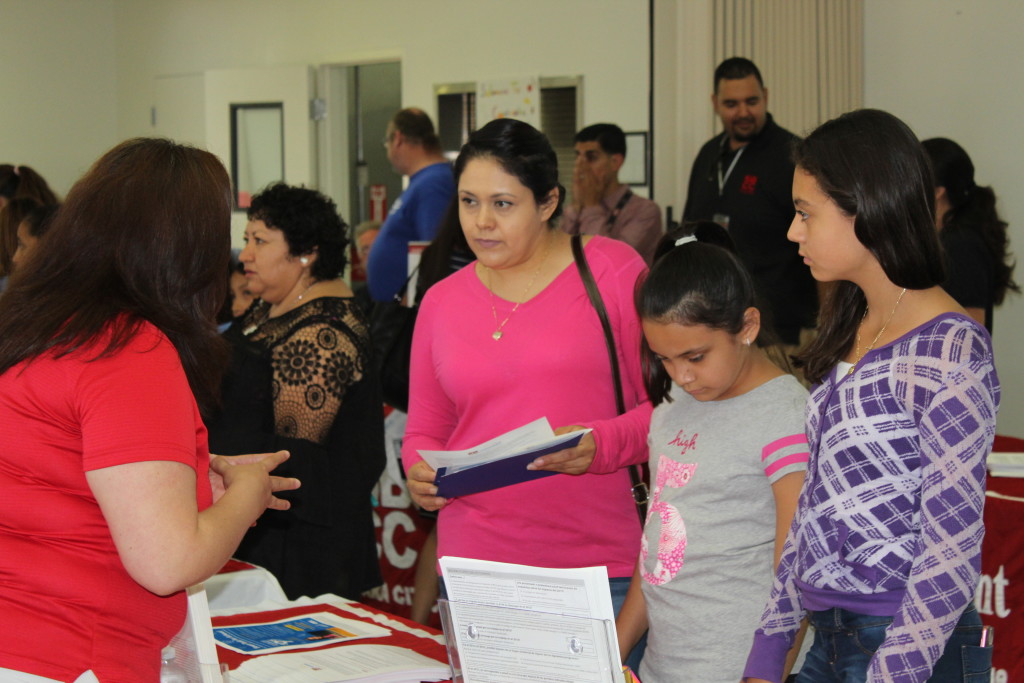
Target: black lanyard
x,y
618,209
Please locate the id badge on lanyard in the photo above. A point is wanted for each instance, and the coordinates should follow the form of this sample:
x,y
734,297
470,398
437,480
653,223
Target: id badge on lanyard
x,y
723,218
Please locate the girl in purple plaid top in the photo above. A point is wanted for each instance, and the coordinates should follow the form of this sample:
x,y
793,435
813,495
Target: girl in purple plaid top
x,y
884,553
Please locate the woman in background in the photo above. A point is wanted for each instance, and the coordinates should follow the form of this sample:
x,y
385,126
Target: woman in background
x,y
979,269
33,226
11,215
18,182
301,380
108,355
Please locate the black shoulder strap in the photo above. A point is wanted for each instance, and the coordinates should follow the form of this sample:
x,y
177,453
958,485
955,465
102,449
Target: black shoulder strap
x,y
638,485
602,313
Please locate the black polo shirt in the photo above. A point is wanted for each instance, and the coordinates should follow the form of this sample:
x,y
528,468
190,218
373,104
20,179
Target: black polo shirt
x,y
757,198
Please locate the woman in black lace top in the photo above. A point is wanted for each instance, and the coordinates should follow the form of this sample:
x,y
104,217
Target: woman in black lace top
x,y
301,380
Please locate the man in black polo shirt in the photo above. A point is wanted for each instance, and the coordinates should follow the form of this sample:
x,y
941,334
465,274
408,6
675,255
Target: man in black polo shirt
x,y
743,180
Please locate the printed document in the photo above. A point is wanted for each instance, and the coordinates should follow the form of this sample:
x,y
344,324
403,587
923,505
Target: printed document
x,y
514,623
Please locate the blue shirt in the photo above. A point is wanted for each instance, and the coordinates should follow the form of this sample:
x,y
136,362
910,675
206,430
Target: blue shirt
x,y
415,216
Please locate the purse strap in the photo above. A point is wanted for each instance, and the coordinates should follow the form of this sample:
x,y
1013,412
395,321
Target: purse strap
x,y
638,487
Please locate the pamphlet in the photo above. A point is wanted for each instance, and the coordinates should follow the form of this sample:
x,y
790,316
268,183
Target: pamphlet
x,y
499,462
315,630
512,623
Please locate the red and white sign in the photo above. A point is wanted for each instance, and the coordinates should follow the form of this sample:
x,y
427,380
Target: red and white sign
x,y
378,202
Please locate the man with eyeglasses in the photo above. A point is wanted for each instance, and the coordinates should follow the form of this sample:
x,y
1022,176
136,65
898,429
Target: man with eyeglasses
x,y
413,150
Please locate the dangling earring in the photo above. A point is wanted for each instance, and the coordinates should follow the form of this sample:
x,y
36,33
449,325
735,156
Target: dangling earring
x,y
304,261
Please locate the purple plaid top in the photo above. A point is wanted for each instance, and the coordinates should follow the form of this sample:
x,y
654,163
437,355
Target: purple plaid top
x,y
889,521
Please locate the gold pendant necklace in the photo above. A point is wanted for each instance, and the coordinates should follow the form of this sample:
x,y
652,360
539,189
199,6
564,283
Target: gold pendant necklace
x,y
860,356
499,327
255,326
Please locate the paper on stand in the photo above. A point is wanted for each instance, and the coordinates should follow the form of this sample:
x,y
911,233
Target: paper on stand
x,y
516,623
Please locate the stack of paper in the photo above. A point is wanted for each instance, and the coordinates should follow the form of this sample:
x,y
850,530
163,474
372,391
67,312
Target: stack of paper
x,y
363,663
1006,464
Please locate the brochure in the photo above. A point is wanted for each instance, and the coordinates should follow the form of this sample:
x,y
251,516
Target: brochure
x,y
499,462
315,630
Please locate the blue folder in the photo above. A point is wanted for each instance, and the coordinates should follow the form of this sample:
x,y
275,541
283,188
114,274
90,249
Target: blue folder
x,y
496,473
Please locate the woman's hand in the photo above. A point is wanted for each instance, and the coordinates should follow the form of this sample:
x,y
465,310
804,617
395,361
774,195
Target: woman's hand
x,y
420,480
223,471
575,460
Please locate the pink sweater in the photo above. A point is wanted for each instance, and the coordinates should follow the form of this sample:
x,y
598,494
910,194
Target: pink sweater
x,y
551,362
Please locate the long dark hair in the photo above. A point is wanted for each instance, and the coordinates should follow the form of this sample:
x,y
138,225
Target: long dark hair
x,y
23,181
972,208
522,151
696,283
143,236
873,167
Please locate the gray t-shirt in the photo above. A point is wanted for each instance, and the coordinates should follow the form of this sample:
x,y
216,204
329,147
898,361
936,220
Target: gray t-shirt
x,y
706,561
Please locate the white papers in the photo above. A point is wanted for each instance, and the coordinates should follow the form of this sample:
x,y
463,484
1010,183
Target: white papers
x,y
1006,464
534,436
513,623
308,631
365,663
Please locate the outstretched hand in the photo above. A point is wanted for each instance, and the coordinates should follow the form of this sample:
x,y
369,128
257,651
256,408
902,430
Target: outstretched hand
x,y
575,460
225,468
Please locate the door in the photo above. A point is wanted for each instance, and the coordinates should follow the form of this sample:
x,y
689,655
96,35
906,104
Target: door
x,y
231,92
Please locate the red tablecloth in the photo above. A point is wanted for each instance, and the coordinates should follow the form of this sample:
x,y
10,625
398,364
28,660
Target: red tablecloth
x,y
1000,596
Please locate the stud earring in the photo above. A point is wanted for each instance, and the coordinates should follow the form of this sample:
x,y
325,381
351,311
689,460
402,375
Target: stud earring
x,y
747,341
304,261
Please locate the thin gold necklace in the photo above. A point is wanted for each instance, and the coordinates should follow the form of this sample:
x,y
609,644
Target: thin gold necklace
x,y
860,356
254,326
499,327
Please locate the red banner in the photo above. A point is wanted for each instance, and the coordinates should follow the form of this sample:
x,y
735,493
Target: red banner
x,y
401,531
1000,596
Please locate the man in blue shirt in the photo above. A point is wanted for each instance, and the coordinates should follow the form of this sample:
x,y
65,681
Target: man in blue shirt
x,y
413,150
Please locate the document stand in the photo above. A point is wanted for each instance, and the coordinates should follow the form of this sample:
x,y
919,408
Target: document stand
x,y
491,644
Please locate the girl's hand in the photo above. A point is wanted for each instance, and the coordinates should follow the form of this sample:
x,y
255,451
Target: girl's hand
x,y
420,480
574,460
223,472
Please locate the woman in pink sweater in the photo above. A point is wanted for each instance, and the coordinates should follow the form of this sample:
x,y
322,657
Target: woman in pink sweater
x,y
513,337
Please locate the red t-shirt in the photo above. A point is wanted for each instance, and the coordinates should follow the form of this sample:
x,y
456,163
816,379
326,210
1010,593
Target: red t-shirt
x,y
67,604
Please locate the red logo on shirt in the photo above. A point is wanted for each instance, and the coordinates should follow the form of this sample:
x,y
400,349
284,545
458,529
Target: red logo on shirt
x,y
749,183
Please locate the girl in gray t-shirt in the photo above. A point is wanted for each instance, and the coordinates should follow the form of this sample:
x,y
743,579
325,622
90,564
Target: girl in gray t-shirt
x,y
728,454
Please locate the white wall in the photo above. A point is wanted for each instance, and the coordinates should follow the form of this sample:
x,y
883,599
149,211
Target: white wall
x,y
58,85
437,42
952,68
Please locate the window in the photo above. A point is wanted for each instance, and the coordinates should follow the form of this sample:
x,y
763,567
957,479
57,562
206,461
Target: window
x,y
559,116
